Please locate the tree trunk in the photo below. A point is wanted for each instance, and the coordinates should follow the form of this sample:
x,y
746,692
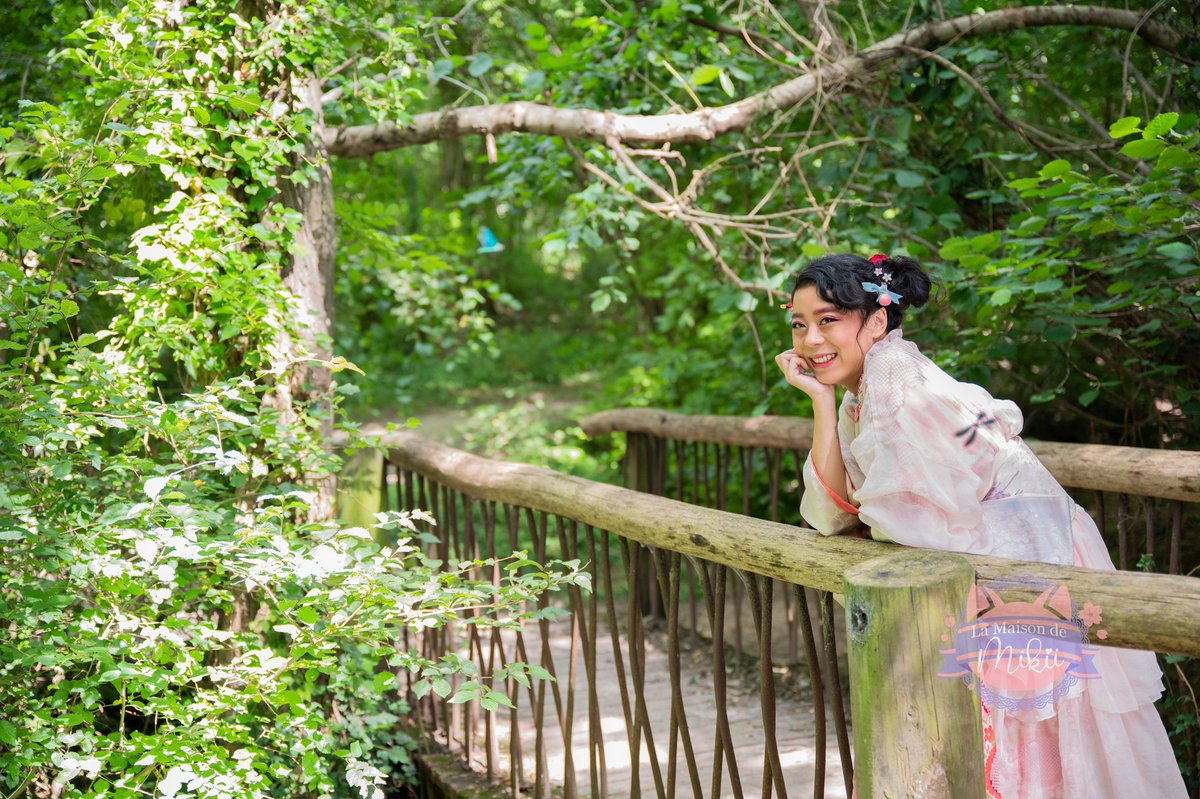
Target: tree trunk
x,y
308,276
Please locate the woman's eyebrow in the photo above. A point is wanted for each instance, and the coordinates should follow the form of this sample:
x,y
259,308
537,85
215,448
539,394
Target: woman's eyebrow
x,y
817,312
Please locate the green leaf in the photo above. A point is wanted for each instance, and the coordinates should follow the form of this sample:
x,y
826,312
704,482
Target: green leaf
x,y
498,698
1055,168
441,687
539,673
534,81
705,74
8,733
1173,157
307,615
1180,251
909,179
480,64
601,301
1124,126
384,680
1088,397
1001,297
1143,148
1120,287
1032,226
953,249
1160,125
985,243
727,84
1024,184
245,103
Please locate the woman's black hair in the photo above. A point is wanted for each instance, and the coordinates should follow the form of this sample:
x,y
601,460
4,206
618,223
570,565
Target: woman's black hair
x,y
839,278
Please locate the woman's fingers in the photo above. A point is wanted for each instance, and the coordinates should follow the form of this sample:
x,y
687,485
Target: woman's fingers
x,y
798,372
794,367
787,362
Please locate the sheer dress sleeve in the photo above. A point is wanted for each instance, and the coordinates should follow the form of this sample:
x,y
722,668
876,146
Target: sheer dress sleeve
x,y
817,507
927,448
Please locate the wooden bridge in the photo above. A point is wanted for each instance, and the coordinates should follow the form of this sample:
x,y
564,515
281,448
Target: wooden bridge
x,y
710,658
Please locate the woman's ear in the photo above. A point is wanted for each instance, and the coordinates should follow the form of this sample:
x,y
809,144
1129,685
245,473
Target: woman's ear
x,y
877,324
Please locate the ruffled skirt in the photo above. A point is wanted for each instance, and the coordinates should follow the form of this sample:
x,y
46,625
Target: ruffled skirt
x,y
1104,740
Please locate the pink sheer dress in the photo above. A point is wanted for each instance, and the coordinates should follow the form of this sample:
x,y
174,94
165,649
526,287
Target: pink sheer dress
x,y
940,464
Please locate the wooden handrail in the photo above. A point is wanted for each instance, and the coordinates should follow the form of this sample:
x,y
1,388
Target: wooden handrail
x,y
1143,611
1169,474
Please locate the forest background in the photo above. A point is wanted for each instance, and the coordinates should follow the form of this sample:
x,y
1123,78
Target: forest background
x,y
224,227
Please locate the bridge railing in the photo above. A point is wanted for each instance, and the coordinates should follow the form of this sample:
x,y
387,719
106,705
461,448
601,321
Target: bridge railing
x,y
486,509
1138,497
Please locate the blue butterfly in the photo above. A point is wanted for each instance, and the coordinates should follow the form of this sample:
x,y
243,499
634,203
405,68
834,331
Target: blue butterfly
x,y
488,241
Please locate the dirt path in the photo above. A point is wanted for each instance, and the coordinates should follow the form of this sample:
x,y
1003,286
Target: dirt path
x,y
441,423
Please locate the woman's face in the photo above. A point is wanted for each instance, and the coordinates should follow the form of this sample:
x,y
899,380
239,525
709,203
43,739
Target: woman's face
x,y
834,341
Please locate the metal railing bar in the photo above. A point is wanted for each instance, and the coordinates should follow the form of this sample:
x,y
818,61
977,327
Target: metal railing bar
x,y
596,762
635,635
713,585
669,569
835,688
816,683
568,718
761,600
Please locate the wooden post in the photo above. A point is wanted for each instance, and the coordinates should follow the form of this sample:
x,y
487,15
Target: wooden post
x,y
915,734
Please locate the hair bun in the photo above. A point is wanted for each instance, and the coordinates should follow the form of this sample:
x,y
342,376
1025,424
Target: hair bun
x,y
908,280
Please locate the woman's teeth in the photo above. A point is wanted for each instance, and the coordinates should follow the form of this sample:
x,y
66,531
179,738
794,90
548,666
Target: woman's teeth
x,y
822,360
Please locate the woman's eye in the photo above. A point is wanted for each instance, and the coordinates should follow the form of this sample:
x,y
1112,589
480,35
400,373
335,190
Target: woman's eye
x,y
829,319
797,326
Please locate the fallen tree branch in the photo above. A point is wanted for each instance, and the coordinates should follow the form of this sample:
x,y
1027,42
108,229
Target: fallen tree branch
x,y
706,124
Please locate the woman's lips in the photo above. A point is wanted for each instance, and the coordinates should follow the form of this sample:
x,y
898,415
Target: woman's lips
x,y
822,364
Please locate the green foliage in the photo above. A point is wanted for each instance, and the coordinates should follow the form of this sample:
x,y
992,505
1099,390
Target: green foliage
x,y
180,617
410,299
1102,272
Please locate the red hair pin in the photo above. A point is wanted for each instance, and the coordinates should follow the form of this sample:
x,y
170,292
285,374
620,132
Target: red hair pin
x,y
877,257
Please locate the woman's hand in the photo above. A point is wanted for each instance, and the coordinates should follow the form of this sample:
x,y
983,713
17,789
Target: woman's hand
x,y
799,373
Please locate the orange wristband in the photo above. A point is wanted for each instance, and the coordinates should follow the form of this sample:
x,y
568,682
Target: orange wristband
x,y
841,503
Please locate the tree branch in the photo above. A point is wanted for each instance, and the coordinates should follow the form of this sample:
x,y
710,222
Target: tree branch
x,y
706,124
740,33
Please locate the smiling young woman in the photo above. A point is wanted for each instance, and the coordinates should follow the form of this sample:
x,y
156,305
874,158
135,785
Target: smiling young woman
x,y
924,460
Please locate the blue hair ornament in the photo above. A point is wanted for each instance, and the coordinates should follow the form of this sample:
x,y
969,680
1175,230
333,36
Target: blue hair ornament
x,y
883,296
